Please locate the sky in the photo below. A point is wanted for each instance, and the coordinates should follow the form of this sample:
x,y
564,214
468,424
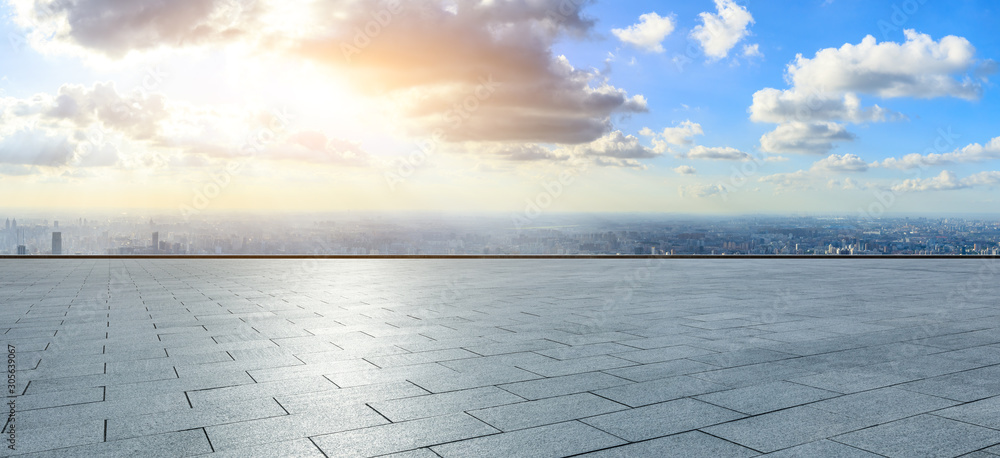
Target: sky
x,y
865,108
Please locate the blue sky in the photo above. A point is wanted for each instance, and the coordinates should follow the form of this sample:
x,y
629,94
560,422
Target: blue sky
x,y
688,107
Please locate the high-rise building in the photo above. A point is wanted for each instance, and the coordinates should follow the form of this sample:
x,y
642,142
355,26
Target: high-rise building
x,y
22,250
8,224
156,242
57,243
14,224
57,224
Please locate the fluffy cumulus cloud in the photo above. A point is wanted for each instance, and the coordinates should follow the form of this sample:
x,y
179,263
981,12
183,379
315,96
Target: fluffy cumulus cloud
x,y
801,180
525,152
919,67
803,105
701,191
480,71
648,34
469,71
969,154
616,145
804,138
719,32
36,147
715,154
81,127
826,88
948,181
116,27
845,163
685,170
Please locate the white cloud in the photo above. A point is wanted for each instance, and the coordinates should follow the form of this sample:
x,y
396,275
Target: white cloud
x,y
701,191
648,34
968,154
432,56
825,87
527,152
715,154
845,163
35,146
803,138
801,180
681,135
685,170
752,51
920,68
948,181
775,106
616,145
719,33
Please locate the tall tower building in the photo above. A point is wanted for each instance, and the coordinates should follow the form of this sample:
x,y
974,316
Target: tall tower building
x,y
8,224
14,224
156,242
57,243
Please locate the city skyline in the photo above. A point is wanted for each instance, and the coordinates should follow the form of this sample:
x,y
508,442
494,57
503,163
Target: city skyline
x,y
713,107
498,235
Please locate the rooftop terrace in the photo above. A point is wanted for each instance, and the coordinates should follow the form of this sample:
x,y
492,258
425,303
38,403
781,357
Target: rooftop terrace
x,y
425,358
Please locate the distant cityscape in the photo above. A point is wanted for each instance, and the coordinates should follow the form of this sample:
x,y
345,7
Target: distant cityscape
x,y
381,234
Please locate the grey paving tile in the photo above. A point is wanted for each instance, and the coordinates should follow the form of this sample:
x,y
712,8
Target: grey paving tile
x,y
89,431
743,357
291,427
786,428
213,321
432,405
662,419
883,405
854,380
657,355
127,426
181,443
758,399
753,374
983,413
965,386
401,437
567,384
295,448
647,372
557,440
546,411
823,448
660,390
694,444
922,436
333,399
556,368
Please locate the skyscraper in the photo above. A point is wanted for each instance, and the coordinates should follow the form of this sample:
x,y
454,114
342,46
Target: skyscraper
x,y
8,224
57,243
156,242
